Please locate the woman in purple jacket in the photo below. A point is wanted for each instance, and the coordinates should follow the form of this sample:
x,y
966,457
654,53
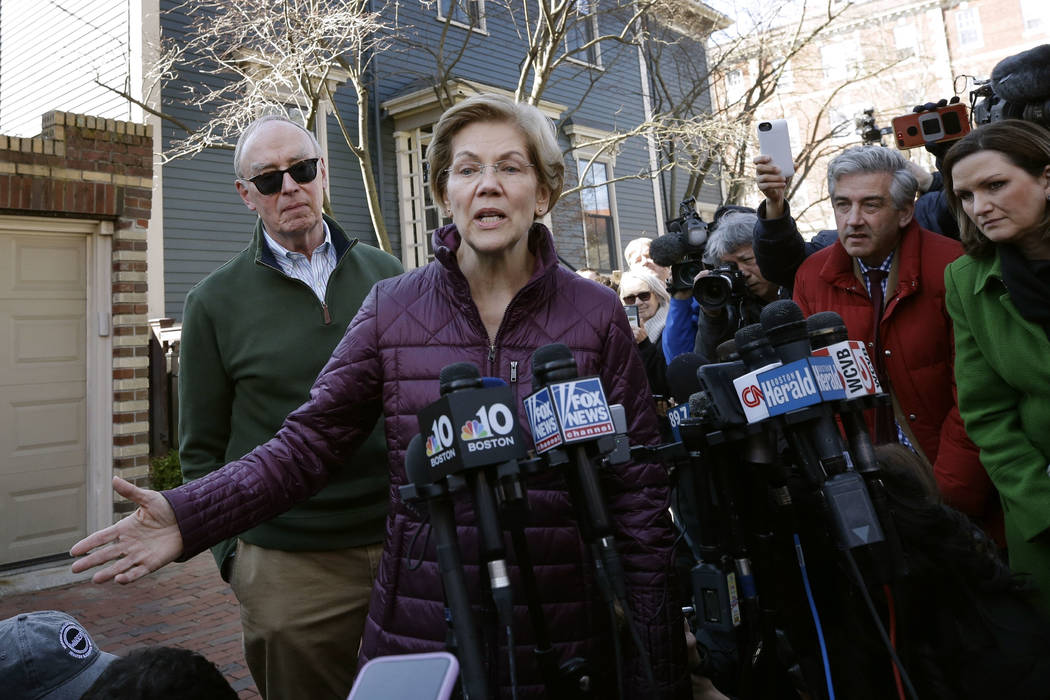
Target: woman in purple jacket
x,y
494,294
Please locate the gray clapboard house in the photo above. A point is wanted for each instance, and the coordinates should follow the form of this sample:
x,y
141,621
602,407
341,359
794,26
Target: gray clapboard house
x,y
61,55
198,220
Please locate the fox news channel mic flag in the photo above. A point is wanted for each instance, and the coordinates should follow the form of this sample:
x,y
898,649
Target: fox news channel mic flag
x,y
470,429
563,413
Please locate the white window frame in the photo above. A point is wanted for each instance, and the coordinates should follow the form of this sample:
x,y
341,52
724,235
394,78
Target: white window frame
x,y
586,155
415,205
968,19
588,19
906,40
478,26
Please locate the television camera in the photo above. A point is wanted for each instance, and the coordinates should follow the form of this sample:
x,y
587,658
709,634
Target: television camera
x,y
682,248
1018,89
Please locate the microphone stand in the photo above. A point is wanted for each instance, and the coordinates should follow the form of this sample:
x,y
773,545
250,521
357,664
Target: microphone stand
x,y
572,679
465,640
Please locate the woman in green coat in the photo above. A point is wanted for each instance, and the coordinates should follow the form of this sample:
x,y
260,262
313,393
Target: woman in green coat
x,y
997,180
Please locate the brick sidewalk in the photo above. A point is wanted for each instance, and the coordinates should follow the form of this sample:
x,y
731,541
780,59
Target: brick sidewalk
x,y
184,605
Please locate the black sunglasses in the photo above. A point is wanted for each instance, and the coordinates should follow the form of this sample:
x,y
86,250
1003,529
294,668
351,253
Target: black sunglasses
x,y
642,296
270,183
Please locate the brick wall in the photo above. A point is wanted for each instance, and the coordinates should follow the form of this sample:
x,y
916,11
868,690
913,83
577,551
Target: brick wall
x,y
92,168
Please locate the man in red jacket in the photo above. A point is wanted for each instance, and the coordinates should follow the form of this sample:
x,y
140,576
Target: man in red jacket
x,y
885,277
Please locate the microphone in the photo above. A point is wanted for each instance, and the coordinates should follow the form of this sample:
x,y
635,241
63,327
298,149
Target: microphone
x,y
758,356
467,643
487,438
1023,77
582,417
828,335
802,381
844,492
666,250
681,377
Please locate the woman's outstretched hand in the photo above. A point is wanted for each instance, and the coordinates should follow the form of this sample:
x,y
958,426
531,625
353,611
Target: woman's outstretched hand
x,y
138,545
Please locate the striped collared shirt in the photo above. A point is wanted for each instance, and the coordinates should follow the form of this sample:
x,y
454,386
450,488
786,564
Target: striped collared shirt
x,y
314,270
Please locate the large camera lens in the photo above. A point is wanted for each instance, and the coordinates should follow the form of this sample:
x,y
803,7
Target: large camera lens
x,y
683,274
712,292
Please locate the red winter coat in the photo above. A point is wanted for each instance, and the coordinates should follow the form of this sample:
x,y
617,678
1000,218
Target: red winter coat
x,y
918,350
408,329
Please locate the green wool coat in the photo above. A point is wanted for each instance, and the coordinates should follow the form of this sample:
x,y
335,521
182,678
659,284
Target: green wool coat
x,y
1002,371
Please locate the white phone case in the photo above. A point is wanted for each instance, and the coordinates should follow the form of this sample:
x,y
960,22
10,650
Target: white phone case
x,y
774,141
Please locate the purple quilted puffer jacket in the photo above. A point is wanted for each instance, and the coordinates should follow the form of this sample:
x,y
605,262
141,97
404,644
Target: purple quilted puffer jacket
x,y
408,329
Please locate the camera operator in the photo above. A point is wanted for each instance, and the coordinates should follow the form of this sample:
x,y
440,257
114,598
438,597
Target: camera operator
x,y
730,250
680,332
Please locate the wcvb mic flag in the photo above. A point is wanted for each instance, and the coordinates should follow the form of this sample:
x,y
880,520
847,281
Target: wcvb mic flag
x,y
854,367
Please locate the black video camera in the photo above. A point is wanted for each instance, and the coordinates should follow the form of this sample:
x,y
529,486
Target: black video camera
x,y
1018,89
868,130
682,249
725,283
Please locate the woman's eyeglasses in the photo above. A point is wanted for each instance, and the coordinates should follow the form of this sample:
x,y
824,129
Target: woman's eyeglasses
x,y
508,169
270,183
641,296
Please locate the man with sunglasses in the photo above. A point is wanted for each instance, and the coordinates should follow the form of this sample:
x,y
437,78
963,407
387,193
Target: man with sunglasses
x,y
255,335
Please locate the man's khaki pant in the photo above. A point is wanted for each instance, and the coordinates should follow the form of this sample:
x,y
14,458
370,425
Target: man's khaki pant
x,y
302,615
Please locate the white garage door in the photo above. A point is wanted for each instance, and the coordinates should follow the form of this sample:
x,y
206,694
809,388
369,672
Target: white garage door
x,y
43,391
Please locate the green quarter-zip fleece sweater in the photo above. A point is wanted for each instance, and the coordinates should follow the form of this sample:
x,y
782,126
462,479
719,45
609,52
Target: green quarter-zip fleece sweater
x,y
253,341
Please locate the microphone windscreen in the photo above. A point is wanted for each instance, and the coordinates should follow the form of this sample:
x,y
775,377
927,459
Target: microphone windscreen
x,y
826,328
783,322
416,461
754,347
1023,77
459,375
666,250
726,351
699,404
681,376
489,382
551,362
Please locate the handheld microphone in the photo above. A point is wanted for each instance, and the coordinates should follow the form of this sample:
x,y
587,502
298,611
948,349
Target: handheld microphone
x,y
488,437
758,356
856,523
582,417
442,520
829,336
802,381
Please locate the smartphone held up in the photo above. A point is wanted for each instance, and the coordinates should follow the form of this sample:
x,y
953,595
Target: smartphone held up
x,y
775,142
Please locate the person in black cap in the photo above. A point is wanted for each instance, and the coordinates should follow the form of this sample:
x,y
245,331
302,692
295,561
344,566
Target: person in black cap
x,y
48,655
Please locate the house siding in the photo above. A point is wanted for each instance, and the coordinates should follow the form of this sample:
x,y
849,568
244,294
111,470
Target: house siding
x,y
82,40
203,183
